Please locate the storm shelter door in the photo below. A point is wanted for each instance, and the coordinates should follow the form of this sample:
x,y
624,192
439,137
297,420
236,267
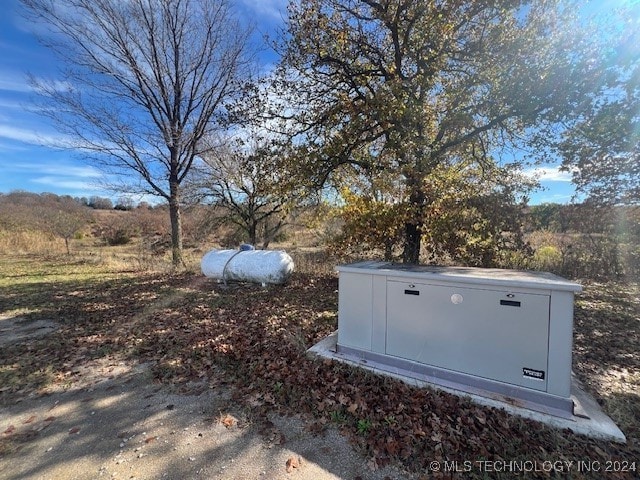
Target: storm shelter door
x,y
494,334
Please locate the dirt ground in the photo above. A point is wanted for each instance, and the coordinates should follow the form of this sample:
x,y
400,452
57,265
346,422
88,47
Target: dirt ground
x,y
116,423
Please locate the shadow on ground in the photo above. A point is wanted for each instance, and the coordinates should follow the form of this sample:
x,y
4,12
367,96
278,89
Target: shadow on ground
x,y
128,427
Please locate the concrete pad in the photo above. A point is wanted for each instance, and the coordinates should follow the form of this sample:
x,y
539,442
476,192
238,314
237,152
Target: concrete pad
x,y
587,418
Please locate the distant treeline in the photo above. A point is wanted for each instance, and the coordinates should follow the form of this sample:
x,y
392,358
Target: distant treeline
x,y
95,202
576,240
584,218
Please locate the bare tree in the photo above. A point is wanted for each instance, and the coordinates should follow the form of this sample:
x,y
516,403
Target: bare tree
x,y
145,81
249,181
66,221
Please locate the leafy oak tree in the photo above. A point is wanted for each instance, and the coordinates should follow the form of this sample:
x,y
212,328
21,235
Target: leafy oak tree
x,y
407,87
602,149
144,82
475,219
371,212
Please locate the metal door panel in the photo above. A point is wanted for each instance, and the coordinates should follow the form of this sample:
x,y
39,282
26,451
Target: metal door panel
x,y
355,311
494,334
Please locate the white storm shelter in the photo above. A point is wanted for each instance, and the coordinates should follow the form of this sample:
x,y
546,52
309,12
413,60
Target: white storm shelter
x,y
504,334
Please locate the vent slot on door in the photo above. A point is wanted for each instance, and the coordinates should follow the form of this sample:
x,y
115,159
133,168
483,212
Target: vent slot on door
x,y
510,303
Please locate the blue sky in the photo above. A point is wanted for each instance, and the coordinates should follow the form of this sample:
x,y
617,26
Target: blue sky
x,y
26,164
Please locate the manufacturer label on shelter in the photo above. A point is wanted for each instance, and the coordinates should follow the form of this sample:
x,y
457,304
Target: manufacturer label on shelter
x,y
531,373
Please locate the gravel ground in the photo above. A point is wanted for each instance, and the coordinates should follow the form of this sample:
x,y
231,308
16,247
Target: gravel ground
x,y
114,422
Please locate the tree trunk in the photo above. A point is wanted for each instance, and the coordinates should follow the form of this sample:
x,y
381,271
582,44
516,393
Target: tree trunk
x,y
176,224
413,228
253,233
388,251
412,243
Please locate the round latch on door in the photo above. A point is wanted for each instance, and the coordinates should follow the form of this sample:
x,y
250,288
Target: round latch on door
x,y
457,299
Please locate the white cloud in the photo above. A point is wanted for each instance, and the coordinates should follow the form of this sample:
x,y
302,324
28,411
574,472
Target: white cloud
x,y
32,137
62,170
64,177
548,174
64,182
14,82
6,147
6,103
274,9
43,85
19,134
555,198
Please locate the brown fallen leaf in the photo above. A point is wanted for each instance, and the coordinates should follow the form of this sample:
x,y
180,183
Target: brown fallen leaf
x,y
30,419
228,421
150,439
292,463
392,446
50,419
9,430
74,430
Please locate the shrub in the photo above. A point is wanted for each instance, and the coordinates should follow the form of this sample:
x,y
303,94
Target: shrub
x,y
547,257
590,256
118,230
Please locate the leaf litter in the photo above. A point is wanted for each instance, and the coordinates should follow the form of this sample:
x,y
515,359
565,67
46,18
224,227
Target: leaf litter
x,y
254,340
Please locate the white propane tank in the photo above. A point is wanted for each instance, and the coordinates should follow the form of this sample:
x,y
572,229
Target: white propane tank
x,y
259,266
